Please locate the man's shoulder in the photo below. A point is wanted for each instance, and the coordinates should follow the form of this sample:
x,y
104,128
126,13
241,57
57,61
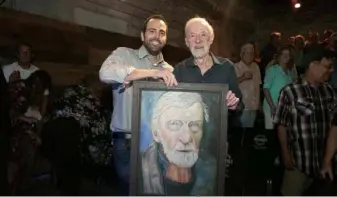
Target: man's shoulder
x,y
224,61
166,65
9,66
225,64
292,88
8,69
34,68
125,51
184,63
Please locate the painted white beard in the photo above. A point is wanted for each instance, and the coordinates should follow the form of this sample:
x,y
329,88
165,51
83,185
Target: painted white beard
x,y
181,159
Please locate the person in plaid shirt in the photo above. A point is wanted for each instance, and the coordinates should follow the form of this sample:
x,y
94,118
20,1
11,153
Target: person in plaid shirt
x,y
303,117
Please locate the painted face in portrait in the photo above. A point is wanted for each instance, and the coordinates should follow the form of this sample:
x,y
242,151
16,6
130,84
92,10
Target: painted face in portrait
x,y
180,128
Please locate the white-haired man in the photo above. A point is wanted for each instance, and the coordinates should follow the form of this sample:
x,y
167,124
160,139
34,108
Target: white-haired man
x,y
249,78
175,164
203,66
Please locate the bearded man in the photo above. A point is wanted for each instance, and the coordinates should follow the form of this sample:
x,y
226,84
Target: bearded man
x,y
175,163
120,69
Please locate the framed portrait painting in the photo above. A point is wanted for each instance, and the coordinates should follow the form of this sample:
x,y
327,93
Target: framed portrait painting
x,y
179,139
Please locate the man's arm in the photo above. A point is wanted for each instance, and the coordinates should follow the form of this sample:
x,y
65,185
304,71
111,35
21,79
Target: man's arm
x,y
282,119
233,85
241,76
117,69
45,101
331,145
330,150
268,82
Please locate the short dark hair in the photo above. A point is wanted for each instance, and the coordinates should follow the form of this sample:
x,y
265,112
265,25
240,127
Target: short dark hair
x,y
317,55
156,16
21,44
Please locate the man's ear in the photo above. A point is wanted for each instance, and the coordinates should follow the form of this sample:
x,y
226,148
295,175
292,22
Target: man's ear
x,y
142,36
186,42
211,39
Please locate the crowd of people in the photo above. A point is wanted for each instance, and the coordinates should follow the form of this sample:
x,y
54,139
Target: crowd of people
x,y
293,84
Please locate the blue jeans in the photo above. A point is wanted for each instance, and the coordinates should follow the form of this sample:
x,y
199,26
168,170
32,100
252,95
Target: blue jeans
x,y
121,157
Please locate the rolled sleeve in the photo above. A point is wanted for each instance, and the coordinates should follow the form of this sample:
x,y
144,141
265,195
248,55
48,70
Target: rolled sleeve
x,y
233,85
116,67
268,79
282,115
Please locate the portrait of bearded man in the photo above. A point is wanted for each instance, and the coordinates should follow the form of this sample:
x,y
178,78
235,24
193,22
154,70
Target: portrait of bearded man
x,y
175,163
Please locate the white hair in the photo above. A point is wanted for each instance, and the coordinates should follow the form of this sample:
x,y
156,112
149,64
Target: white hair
x,y
245,46
202,21
176,99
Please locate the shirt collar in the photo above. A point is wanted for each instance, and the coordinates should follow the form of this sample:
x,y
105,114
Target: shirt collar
x,y
142,53
215,60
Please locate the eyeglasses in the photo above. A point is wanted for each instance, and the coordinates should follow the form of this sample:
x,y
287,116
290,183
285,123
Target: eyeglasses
x,y
176,125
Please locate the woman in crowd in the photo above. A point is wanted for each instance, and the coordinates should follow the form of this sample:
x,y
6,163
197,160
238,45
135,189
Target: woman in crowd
x,y
277,76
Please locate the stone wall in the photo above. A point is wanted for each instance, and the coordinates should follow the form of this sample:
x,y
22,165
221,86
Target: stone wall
x,y
69,52
120,16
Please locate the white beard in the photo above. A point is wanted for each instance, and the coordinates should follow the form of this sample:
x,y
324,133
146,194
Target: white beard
x,y
181,159
197,53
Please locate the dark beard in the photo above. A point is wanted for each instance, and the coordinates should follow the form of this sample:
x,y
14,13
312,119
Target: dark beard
x,y
150,50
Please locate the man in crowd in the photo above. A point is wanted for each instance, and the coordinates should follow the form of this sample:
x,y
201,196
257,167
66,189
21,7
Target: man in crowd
x,y
303,116
176,163
122,67
269,52
249,78
203,66
23,68
332,46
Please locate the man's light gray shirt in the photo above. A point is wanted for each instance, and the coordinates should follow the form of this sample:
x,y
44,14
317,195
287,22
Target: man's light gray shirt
x,y
114,70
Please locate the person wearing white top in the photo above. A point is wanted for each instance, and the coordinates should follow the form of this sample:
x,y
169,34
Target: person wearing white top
x,y
23,68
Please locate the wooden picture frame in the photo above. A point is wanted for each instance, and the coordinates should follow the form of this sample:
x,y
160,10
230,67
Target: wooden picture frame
x,y
165,119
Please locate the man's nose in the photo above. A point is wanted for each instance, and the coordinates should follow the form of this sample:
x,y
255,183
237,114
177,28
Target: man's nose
x,y
197,39
157,35
185,136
